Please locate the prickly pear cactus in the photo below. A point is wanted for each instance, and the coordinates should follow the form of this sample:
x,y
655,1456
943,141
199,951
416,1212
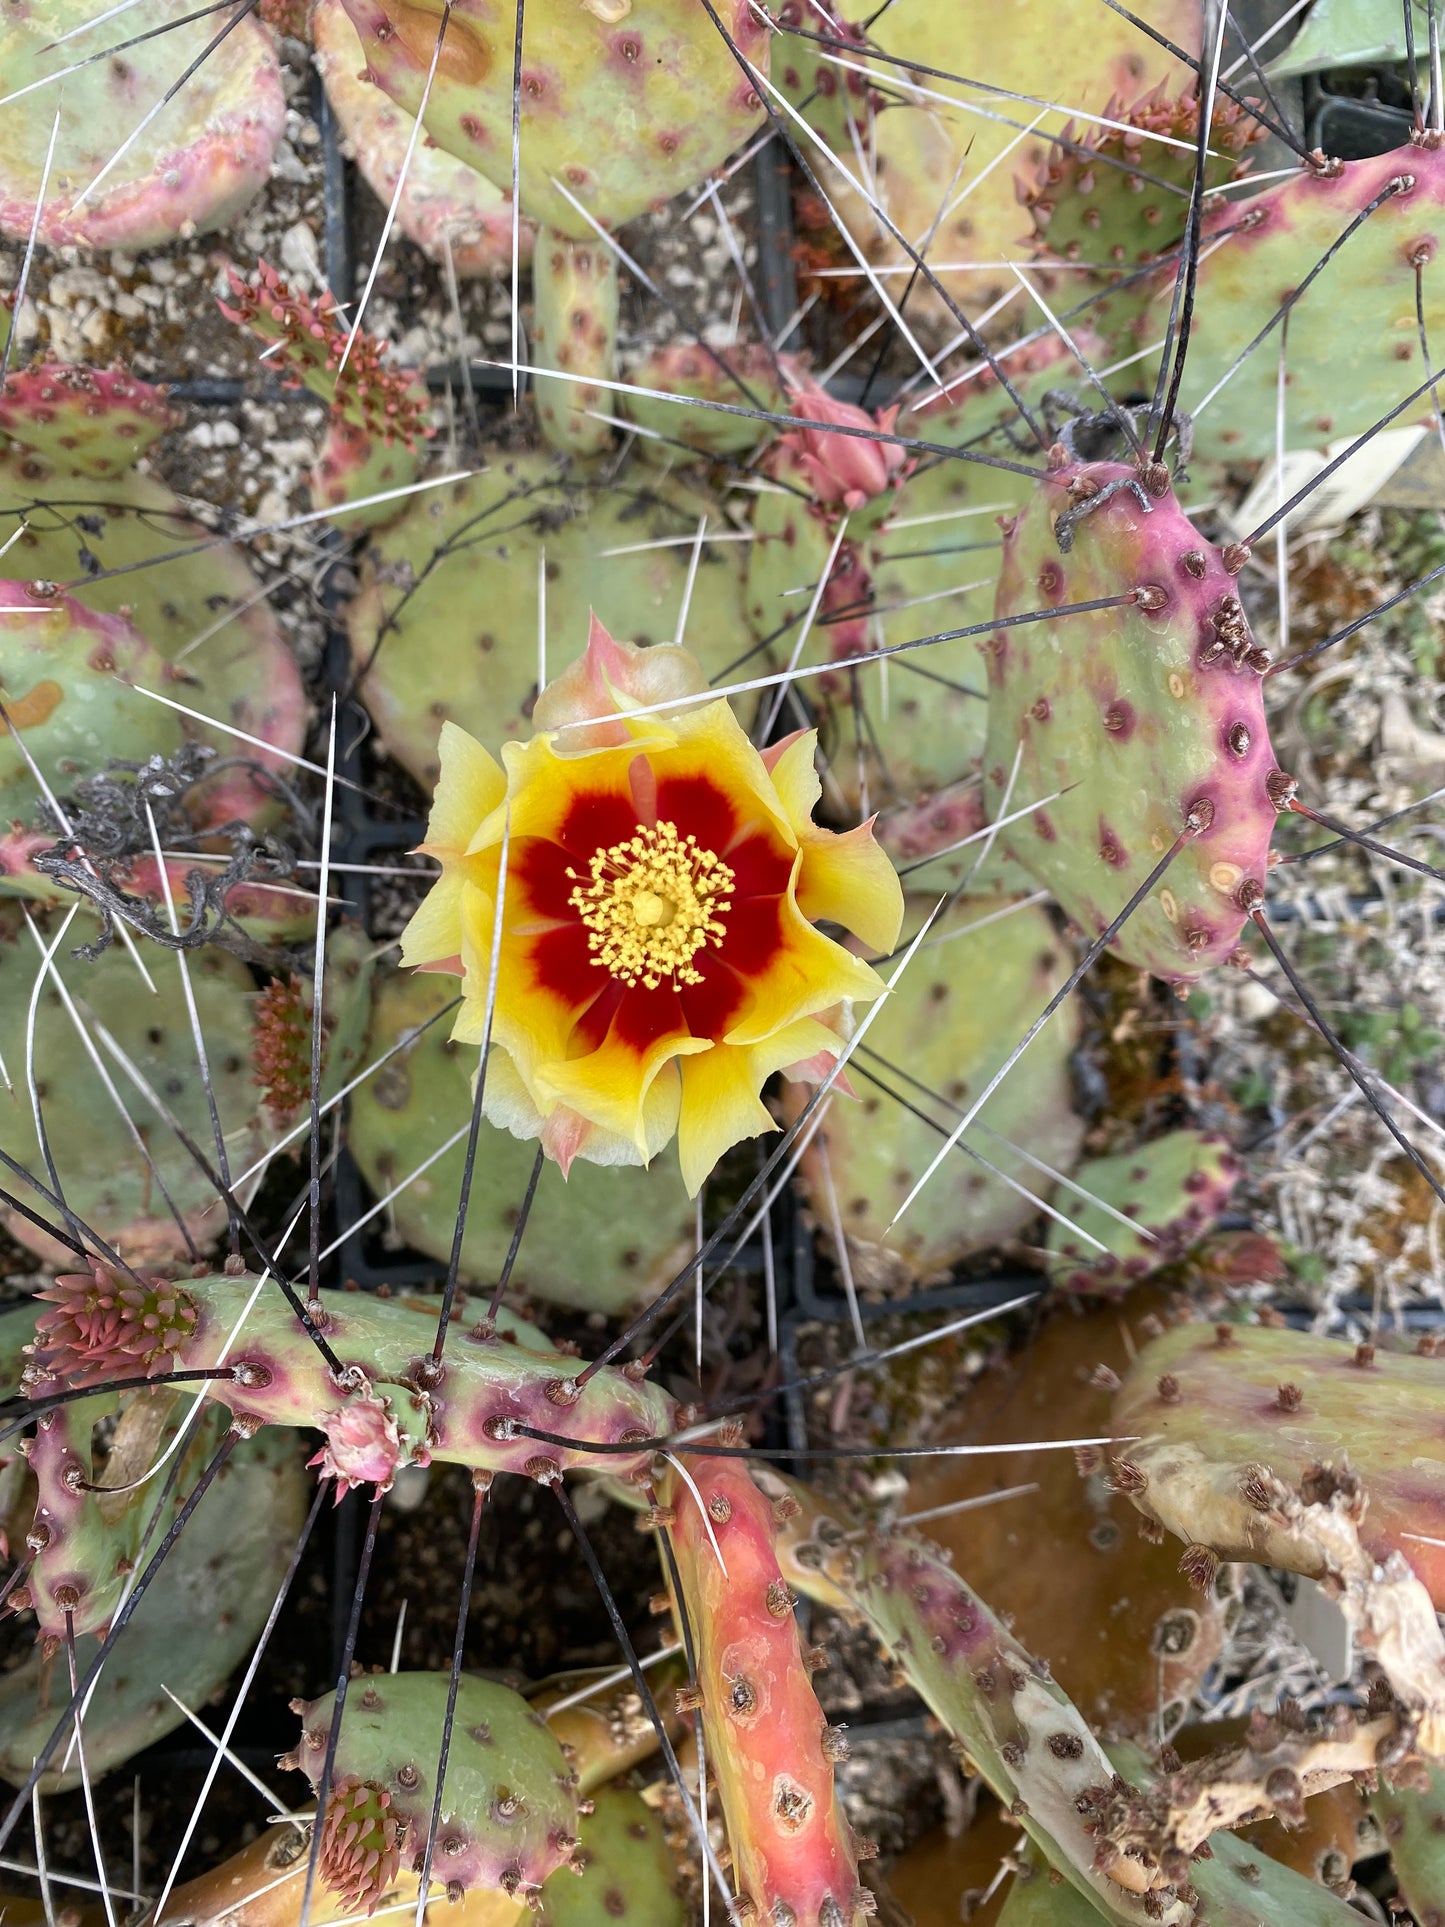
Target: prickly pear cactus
x,y
939,1037
1111,194
1173,1189
1353,346
446,207
196,163
378,418
91,421
198,1620
237,671
635,1226
1121,1628
625,108
1411,1815
767,1740
1148,713
1213,1406
106,1175
728,375
447,625
509,1803
627,1867
67,680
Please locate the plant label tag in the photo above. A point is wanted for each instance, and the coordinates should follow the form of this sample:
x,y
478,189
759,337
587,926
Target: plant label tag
x,y
1347,489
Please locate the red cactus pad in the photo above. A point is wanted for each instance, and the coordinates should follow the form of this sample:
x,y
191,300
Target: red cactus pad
x,y
104,1325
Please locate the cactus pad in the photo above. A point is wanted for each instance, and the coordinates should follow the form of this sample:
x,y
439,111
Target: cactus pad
x,y
509,1805
625,107
102,1172
1211,1406
1174,1187
1149,716
767,1739
949,1023
1122,1630
66,680
635,1226
92,421
445,206
199,1619
628,1872
194,166
446,624
497,1375
1353,348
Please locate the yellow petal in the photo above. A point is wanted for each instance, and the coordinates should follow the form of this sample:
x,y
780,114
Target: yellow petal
x,y
470,787
720,1101
720,1106
808,973
611,1084
795,778
435,930
849,879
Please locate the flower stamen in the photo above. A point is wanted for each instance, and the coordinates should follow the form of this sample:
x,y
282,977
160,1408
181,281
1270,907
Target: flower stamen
x,y
652,902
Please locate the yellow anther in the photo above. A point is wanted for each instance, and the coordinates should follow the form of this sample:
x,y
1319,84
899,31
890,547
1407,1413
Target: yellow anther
x,y
652,902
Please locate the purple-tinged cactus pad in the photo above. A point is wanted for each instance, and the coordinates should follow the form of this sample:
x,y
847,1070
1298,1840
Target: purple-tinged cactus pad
x,y
445,204
1142,713
93,421
1173,1188
497,1376
509,1801
623,105
198,1620
1354,337
191,169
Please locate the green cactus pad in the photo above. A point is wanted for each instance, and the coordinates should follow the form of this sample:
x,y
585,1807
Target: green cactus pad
x,y
920,561
574,330
446,207
1412,1818
199,1619
445,626
509,1805
193,167
1145,715
628,1872
241,674
67,676
102,1172
956,1013
635,1226
623,107
952,151
686,368
1173,1188
1354,344
1085,208
1211,1407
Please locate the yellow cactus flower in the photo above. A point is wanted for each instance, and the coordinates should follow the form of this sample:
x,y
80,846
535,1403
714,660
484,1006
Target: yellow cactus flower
x,y
658,958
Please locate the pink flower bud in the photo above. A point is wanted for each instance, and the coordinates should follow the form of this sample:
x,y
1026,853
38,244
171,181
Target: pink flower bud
x,y
843,468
